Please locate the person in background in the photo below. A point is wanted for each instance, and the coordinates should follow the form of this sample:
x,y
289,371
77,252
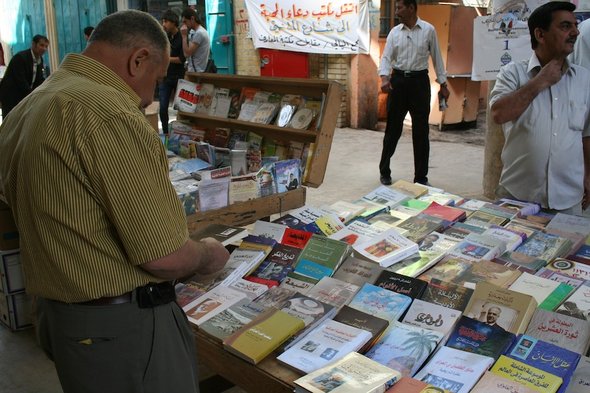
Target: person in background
x,y
543,105
24,73
195,41
581,53
102,233
87,32
404,76
167,86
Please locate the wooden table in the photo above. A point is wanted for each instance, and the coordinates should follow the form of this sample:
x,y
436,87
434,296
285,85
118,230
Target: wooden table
x,y
267,376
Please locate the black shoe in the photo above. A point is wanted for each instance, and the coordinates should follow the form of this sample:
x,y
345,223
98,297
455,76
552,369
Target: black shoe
x,y
385,180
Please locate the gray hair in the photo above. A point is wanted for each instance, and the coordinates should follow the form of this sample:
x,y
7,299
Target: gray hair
x,y
131,29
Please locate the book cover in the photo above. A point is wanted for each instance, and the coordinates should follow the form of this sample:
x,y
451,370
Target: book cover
x,y
404,347
212,303
540,288
295,237
334,292
411,385
277,265
265,113
321,257
259,338
386,196
420,226
444,212
529,376
477,247
269,229
354,373
571,268
274,297
511,238
226,234
357,271
380,302
485,220
570,223
187,96
431,316
346,211
251,289
416,190
447,294
187,292
287,174
523,208
232,319
240,263
503,308
357,231
581,378
491,382
545,356
578,304
353,317
478,337
328,342
455,370
387,248
206,94
563,330
298,283
399,283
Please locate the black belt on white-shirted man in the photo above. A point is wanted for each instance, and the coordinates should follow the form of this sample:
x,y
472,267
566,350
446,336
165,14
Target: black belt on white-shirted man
x,y
409,74
147,296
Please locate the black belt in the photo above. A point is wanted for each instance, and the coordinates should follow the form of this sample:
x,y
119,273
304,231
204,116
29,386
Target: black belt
x,y
409,74
148,296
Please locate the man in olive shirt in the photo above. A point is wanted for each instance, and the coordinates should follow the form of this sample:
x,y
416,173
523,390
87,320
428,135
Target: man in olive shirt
x,y
102,231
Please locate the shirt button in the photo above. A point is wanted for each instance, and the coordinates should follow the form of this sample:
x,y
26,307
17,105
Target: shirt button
x,y
555,134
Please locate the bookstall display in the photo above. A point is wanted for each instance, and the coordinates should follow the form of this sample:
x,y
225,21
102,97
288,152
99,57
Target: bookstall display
x,y
460,319
274,133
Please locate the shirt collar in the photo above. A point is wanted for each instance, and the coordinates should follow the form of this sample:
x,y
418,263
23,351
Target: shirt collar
x,y
36,60
98,73
534,63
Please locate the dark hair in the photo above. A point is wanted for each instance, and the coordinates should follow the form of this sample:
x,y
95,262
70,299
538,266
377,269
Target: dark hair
x,y
131,29
40,37
408,3
542,17
88,30
170,16
190,13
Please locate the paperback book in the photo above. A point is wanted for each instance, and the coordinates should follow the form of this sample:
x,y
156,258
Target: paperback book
x,y
447,294
380,302
212,303
431,316
479,337
529,376
399,283
563,330
353,317
357,271
387,248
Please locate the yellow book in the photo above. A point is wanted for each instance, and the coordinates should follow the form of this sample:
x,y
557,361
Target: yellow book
x,y
531,377
257,339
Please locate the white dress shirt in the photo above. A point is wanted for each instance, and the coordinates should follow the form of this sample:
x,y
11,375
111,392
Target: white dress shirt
x,y
581,53
408,49
542,155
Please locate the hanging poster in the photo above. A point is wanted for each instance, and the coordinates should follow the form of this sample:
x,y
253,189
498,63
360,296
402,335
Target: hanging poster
x,y
330,27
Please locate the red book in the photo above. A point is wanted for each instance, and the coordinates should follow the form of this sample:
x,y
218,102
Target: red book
x,y
296,237
445,212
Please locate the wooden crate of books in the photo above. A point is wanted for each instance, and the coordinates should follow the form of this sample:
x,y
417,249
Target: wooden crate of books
x,y
319,133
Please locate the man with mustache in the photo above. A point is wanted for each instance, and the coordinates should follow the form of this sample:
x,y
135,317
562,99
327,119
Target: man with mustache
x,y
543,105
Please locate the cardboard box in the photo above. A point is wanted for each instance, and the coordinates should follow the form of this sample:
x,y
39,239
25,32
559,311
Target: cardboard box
x,y
16,311
8,231
11,272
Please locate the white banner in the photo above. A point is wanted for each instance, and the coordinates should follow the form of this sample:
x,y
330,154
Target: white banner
x,y
332,27
497,40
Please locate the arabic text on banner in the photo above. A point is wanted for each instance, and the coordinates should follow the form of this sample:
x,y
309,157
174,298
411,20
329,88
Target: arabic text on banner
x,y
329,27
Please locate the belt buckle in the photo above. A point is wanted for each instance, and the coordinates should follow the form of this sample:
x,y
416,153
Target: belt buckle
x,y
407,74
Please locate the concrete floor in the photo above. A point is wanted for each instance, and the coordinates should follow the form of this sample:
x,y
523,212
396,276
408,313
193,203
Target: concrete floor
x,y
455,166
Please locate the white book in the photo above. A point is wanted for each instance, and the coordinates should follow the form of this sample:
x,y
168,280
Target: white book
x,y
477,247
251,289
386,196
269,230
537,287
387,248
187,96
240,263
510,238
346,210
327,343
472,204
578,304
580,380
212,303
307,214
248,111
213,194
570,223
454,370
332,291
431,316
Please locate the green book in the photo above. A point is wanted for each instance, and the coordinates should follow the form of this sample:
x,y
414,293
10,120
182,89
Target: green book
x,y
556,297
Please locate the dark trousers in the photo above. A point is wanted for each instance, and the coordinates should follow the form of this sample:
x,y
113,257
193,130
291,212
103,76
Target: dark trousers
x,y
409,94
166,87
119,348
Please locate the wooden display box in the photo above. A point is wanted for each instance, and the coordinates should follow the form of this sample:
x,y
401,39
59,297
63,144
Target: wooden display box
x,y
247,212
15,310
322,139
11,272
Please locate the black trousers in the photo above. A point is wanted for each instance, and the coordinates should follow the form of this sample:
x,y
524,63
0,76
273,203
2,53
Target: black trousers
x,y
409,94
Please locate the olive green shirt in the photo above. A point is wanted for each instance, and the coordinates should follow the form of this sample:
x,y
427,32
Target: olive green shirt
x,y
86,178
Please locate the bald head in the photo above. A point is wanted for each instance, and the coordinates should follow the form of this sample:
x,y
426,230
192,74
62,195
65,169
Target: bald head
x,y
134,45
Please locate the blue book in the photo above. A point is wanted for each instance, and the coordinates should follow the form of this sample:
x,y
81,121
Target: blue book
x,y
380,302
545,356
473,336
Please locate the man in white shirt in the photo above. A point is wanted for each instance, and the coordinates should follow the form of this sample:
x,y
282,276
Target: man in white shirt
x,y
404,75
195,41
581,54
543,105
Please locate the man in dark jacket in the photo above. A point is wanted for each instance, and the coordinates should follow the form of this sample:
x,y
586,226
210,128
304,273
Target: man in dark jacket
x,y
24,73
